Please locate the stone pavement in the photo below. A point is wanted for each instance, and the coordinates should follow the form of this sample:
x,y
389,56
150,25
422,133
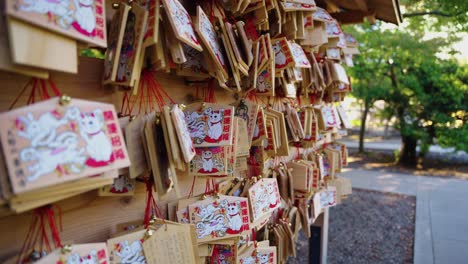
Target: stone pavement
x,y
394,144
441,212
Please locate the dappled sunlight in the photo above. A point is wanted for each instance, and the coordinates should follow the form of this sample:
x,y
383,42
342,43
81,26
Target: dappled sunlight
x,y
385,162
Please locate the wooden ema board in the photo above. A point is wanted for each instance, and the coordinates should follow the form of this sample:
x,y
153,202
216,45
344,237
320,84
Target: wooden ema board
x,y
87,217
6,62
40,48
81,20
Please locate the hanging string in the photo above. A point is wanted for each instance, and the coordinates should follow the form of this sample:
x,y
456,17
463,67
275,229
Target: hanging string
x,y
206,93
207,186
298,149
21,93
43,218
212,14
152,208
125,106
150,97
158,90
215,187
32,95
192,187
53,228
38,87
54,88
44,239
210,96
28,242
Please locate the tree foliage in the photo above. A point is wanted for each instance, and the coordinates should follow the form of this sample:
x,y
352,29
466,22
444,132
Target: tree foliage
x,y
427,95
451,15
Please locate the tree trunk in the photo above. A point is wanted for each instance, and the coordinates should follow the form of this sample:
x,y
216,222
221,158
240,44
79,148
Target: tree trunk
x,y
362,131
385,135
408,155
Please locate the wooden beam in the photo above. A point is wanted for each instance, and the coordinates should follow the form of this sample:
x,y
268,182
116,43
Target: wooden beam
x,y
352,16
349,5
362,5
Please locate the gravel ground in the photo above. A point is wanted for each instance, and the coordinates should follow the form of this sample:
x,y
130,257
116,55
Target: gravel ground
x,y
368,227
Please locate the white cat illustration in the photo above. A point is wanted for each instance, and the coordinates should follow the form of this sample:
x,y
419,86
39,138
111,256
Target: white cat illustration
x,y
280,58
298,54
263,258
206,212
215,126
121,185
42,132
131,253
91,258
272,196
85,20
74,258
59,8
182,20
209,31
262,83
63,151
208,163
195,126
248,260
234,218
332,28
213,225
98,145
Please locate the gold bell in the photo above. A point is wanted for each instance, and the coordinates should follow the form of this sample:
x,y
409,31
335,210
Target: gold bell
x,y
64,99
66,249
148,233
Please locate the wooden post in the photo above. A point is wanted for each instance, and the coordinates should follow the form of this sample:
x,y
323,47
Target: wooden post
x,y
318,242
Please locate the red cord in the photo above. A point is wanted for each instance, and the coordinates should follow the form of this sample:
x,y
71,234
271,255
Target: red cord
x,y
191,188
54,88
53,227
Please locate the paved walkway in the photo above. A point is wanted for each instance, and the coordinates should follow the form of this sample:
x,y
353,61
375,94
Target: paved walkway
x,y
441,212
395,144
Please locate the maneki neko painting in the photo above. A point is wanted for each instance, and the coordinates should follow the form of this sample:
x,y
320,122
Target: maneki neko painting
x,y
220,217
49,143
83,20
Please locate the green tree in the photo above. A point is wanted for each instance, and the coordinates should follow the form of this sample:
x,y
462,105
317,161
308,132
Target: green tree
x,y
425,93
368,74
451,15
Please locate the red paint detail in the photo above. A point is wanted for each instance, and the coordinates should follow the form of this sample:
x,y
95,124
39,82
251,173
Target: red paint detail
x,y
93,163
78,28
